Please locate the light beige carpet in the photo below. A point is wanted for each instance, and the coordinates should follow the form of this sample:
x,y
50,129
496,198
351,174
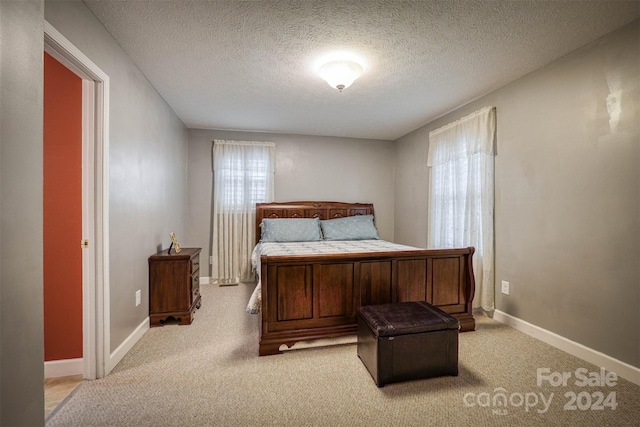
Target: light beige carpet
x,y
209,374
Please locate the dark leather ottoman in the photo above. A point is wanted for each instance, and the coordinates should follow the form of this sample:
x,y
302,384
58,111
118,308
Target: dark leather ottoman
x,y
407,341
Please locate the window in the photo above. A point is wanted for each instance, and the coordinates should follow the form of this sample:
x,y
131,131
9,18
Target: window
x,y
245,180
461,194
242,176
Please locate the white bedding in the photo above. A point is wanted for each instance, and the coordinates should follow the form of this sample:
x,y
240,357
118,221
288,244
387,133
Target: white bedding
x,y
312,248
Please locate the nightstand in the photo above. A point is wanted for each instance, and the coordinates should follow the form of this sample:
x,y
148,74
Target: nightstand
x,y
174,286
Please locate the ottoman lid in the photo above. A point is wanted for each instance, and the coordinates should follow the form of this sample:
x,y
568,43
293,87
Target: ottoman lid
x,y
406,318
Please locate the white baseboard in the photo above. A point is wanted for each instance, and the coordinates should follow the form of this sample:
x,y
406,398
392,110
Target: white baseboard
x,y
116,356
63,368
624,370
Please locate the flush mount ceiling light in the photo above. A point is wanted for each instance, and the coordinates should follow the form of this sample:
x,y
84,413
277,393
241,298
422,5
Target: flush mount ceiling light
x,y
340,73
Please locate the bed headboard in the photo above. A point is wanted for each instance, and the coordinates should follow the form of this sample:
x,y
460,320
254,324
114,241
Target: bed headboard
x,y
322,210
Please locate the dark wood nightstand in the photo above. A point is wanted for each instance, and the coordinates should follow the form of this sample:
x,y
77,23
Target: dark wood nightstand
x,y
174,286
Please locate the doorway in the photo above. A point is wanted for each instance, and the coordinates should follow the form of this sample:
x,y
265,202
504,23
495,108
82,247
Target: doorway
x,y
94,204
62,208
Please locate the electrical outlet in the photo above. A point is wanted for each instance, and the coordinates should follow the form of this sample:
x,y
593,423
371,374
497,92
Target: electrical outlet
x,y
138,297
505,287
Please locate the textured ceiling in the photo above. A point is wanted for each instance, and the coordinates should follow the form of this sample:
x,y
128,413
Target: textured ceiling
x,y
250,65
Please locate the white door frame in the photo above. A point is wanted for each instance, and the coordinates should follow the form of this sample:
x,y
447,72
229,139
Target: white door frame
x,y
95,201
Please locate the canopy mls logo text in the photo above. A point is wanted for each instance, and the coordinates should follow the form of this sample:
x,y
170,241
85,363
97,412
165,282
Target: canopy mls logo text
x,y
583,400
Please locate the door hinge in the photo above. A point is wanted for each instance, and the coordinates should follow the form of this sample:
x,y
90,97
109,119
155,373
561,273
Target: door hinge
x,y
84,243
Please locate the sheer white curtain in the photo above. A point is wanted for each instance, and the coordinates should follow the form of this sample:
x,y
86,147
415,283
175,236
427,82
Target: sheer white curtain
x,y
243,174
461,195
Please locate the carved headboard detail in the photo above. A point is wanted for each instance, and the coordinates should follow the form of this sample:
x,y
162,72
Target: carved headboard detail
x,y
321,210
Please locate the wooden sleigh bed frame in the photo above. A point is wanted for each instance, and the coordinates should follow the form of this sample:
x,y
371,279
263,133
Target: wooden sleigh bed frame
x,y
312,297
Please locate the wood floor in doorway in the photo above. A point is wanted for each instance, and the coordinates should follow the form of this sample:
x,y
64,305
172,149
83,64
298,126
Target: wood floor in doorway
x,y
57,389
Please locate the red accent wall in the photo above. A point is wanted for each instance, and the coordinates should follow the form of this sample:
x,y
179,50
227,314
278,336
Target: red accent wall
x,y
62,212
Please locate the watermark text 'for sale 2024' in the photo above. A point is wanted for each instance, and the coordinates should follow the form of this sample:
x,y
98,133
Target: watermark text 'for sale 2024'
x,y
593,393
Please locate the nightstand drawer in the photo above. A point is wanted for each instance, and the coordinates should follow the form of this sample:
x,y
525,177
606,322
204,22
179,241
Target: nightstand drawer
x,y
195,264
195,288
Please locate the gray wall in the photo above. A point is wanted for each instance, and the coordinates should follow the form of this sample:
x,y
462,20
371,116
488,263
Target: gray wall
x,y
307,168
147,165
21,316
567,205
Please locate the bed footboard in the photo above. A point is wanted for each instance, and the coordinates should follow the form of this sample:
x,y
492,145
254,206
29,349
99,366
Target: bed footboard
x,y
305,298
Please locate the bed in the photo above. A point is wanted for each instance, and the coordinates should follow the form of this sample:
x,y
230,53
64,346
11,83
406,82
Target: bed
x,y
315,294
